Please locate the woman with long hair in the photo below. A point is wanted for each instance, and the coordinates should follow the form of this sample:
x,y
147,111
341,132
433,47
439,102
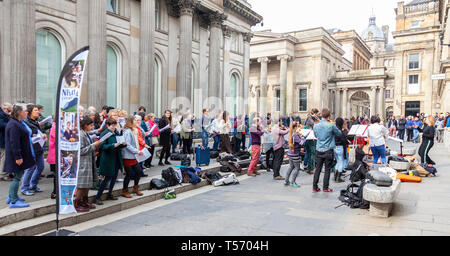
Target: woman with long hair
x,y
165,128
340,151
19,154
295,142
186,134
224,127
427,141
154,138
130,164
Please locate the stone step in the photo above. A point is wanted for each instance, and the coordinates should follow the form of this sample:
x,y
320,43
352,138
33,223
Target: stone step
x,y
40,217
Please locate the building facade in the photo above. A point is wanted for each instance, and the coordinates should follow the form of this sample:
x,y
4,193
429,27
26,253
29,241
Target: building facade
x,y
161,54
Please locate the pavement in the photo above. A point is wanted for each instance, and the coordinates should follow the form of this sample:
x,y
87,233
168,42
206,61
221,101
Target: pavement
x,y
261,206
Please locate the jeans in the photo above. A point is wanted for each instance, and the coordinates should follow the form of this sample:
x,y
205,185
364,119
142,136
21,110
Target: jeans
x,y
401,134
415,135
256,152
216,142
294,165
277,161
33,174
108,179
311,151
379,151
243,142
323,158
205,139
175,140
409,133
14,187
341,162
269,155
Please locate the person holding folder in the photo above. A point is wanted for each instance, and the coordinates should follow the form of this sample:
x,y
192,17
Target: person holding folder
x,y
131,136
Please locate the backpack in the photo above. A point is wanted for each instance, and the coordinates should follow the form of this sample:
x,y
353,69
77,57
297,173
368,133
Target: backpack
x,y
354,199
186,162
359,170
158,184
229,179
233,166
170,176
212,176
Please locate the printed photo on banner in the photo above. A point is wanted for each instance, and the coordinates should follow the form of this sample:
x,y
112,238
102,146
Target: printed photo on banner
x,y
69,127
74,75
67,195
68,164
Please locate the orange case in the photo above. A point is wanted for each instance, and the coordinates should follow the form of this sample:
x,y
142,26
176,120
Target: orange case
x,y
407,178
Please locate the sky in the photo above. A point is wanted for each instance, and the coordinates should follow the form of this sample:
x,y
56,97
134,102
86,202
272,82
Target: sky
x,y
291,15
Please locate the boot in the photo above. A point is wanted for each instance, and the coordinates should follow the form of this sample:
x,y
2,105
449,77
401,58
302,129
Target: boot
x,y
86,203
126,194
136,191
79,207
338,178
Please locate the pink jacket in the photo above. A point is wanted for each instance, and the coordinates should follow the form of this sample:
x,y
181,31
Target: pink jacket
x,y
156,131
51,158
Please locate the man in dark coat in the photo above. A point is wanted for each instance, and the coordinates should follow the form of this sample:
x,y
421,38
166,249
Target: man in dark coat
x,y
5,111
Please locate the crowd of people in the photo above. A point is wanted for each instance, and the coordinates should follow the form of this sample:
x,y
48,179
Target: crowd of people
x,y
315,144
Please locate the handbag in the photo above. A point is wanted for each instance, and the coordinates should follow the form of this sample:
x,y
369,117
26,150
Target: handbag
x,y
155,141
352,155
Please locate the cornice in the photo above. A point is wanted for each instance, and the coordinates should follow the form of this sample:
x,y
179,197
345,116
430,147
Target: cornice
x,y
242,10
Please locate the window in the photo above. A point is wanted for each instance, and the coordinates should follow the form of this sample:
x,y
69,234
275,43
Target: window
x,y
48,68
303,100
111,77
414,61
112,6
413,84
415,24
412,108
234,82
157,89
157,15
388,94
278,99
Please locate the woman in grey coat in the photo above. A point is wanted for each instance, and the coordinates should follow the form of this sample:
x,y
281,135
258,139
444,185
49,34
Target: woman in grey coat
x,y
86,166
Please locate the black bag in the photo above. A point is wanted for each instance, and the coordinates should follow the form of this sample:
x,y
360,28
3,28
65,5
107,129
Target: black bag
x,y
234,144
359,170
225,169
227,159
245,164
212,176
353,196
177,156
234,167
170,177
378,178
397,159
214,154
186,162
158,184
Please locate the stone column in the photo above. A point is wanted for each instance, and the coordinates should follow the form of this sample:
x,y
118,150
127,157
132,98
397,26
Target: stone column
x,y
345,103
381,100
263,86
185,50
97,54
215,88
283,82
337,103
21,36
225,88
146,57
246,86
373,101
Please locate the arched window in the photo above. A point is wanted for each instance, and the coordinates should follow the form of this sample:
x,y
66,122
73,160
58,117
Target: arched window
x,y
112,77
158,86
234,85
48,68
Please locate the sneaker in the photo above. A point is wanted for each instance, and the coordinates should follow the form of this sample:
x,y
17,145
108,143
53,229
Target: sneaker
x,y
28,193
287,184
161,164
316,190
278,178
18,204
37,190
295,185
302,166
8,200
328,190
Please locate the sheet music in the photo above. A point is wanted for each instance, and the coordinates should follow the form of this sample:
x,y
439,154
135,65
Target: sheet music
x,y
109,134
146,155
165,128
120,139
48,119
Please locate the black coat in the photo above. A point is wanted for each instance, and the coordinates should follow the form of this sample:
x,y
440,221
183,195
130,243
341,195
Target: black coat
x,y
35,127
164,136
18,146
4,119
401,124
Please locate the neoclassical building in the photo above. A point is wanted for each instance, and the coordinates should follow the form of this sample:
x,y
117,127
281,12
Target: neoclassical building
x,y
142,52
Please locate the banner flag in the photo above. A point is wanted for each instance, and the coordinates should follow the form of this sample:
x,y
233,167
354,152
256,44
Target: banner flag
x,y
68,125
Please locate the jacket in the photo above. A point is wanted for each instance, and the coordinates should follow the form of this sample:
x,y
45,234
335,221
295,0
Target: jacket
x,y
155,132
278,137
429,133
401,124
325,133
390,123
18,146
146,129
131,149
166,134
409,124
51,157
4,119
35,128
110,156
186,132
87,156
256,135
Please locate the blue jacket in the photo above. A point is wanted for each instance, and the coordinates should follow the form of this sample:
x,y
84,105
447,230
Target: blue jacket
x,y
325,133
419,125
409,124
4,119
18,146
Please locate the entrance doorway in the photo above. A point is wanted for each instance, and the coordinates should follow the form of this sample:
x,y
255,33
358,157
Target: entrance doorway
x,y
412,108
360,104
